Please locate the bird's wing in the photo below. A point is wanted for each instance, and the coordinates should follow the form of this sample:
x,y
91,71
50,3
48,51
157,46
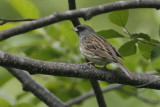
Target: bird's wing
x,y
100,47
114,49
117,53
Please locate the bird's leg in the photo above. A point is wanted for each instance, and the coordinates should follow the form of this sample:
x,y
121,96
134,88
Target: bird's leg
x,y
91,64
104,67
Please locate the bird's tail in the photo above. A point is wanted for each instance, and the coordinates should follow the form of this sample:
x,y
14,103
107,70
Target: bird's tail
x,y
125,70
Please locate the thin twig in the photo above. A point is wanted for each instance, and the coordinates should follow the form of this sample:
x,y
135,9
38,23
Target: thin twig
x,y
29,84
150,43
4,21
140,86
147,100
72,6
91,94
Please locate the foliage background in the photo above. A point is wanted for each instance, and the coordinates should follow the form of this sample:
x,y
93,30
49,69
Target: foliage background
x,y
58,43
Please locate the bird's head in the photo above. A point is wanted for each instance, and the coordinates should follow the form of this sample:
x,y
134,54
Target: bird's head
x,y
83,30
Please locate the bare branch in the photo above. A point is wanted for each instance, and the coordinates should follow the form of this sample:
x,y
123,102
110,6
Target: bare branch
x,y
76,70
72,6
147,100
4,21
86,13
150,43
91,94
98,93
29,84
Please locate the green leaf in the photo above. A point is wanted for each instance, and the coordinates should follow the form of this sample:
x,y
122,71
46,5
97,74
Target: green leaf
x,y
155,58
145,49
155,41
155,64
110,33
159,31
119,17
61,87
155,53
4,76
25,8
23,105
128,48
4,103
46,53
144,64
141,35
125,95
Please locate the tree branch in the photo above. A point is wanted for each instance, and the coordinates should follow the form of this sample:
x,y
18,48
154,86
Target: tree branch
x,y
98,92
29,84
76,70
85,13
91,94
4,21
72,6
139,97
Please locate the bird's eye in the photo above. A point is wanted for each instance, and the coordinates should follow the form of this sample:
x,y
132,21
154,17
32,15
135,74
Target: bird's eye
x,y
80,28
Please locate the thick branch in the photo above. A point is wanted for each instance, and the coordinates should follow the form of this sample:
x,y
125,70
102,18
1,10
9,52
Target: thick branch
x,y
91,94
29,84
76,70
86,13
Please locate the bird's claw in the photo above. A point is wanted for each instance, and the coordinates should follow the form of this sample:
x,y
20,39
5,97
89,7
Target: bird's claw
x,y
91,64
104,67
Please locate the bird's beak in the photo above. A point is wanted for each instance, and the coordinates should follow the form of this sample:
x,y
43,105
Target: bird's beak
x,y
75,29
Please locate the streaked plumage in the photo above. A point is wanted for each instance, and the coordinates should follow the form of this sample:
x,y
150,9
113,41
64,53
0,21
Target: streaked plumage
x,y
98,50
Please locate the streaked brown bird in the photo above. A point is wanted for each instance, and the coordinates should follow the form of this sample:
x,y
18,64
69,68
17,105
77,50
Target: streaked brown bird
x,y
98,50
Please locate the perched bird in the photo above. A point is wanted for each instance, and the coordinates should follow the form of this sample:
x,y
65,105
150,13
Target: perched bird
x,y
98,50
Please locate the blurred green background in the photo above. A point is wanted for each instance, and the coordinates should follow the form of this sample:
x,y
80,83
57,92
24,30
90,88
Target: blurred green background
x,y
58,43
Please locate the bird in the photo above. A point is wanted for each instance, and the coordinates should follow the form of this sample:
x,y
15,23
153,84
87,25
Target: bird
x,y
97,50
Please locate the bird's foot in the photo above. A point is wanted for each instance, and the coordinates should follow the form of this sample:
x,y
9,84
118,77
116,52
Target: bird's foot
x,y
104,67
91,64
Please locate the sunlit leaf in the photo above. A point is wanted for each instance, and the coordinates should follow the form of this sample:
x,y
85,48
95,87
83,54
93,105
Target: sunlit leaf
x,y
141,35
44,53
24,105
119,17
155,63
25,8
110,33
128,48
7,25
4,76
59,88
144,64
4,103
145,49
